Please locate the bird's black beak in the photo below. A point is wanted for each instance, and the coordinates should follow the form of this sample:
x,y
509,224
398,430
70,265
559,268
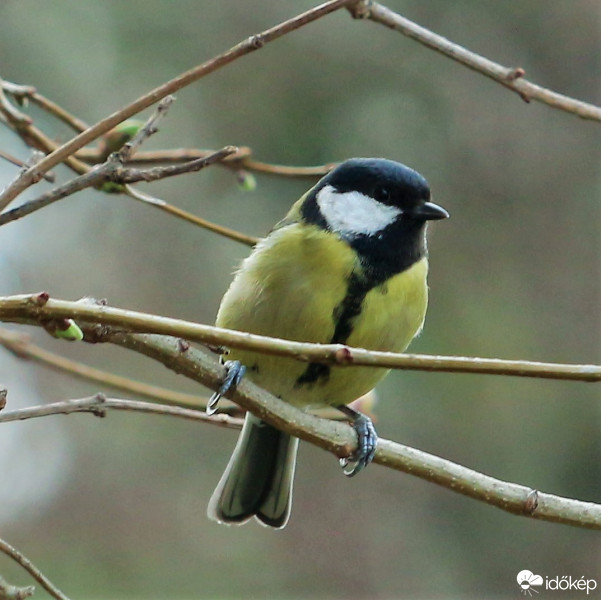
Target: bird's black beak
x,y
428,211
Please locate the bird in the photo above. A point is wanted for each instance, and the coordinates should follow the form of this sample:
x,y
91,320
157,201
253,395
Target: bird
x,y
347,265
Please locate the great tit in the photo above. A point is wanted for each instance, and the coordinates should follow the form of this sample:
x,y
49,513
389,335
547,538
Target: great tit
x,y
346,265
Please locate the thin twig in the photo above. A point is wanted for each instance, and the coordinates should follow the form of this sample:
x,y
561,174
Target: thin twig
x,y
17,90
248,46
12,592
28,92
37,139
58,111
92,178
22,124
130,175
10,112
127,151
34,308
110,171
21,347
99,404
49,176
241,160
180,213
285,170
510,77
32,570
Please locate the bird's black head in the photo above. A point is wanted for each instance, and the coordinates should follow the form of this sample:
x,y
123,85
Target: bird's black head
x,y
379,207
386,181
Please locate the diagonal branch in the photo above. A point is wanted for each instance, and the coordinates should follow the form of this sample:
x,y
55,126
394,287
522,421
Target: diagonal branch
x,y
180,213
22,560
340,439
249,45
23,348
49,176
510,77
333,436
113,171
22,93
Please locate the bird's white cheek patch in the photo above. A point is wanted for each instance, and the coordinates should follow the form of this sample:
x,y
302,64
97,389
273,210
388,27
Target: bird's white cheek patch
x,y
353,213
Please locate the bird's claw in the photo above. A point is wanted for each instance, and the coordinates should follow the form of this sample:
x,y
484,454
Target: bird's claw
x,y
235,372
367,442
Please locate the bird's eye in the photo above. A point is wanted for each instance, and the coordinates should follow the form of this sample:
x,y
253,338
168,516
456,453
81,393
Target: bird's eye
x,y
382,193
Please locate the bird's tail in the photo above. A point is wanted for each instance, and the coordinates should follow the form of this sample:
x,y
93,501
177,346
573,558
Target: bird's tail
x,y
258,479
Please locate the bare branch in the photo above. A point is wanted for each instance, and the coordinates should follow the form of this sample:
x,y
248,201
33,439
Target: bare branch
x,y
90,179
59,112
240,160
99,404
251,44
180,213
335,437
285,170
510,77
113,171
33,309
10,112
129,175
128,149
21,347
340,439
49,176
27,92
22,124
32,570
12,592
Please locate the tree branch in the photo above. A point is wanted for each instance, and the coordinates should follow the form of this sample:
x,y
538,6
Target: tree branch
x,y
241,160
340,439
21,346
49,176
99,404
249,45
23,125
510,77
37,308
333,436
180,213
22,93
12,592
113,171
22,560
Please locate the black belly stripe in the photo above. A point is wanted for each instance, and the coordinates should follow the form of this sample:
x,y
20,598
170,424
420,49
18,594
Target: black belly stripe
x,y
343,316
394,250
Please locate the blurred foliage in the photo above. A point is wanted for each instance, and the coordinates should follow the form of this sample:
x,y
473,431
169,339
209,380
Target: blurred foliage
x,y
515,273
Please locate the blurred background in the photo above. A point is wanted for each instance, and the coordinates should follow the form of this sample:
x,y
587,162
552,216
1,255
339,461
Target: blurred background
x,y
115,508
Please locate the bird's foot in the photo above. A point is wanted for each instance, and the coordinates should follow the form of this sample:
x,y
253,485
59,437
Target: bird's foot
x,y
235,372
367,442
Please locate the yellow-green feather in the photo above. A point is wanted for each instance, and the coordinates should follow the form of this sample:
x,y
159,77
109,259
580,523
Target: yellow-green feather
x,y
288,288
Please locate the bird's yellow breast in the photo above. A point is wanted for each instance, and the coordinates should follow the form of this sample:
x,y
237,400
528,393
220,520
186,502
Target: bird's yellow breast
x,y
290,286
